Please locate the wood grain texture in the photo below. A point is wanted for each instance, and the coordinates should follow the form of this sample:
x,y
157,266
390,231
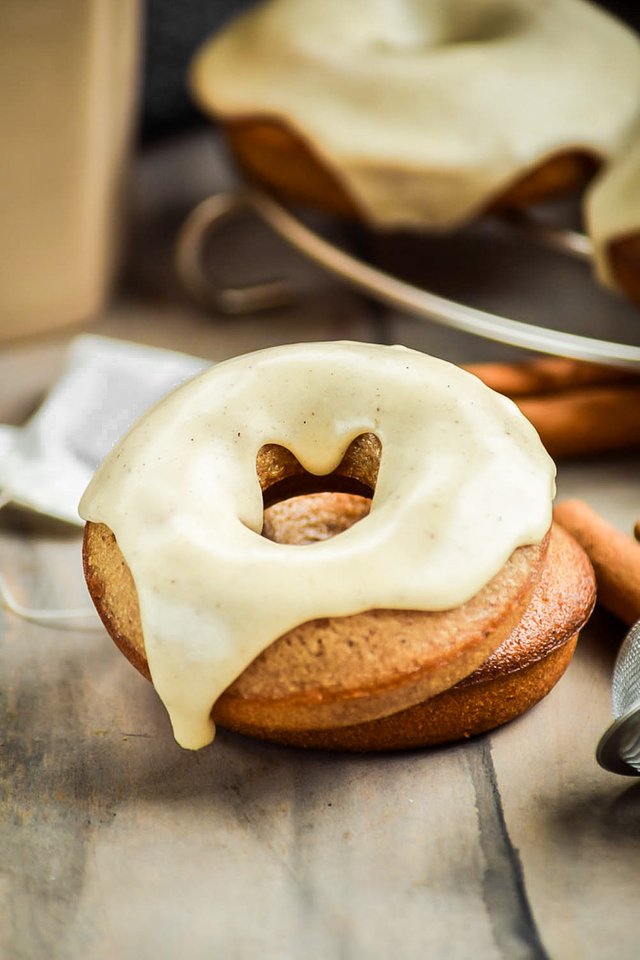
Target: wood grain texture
x,y
116,843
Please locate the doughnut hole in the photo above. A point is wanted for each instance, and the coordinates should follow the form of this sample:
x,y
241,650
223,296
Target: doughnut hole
x,y
313,517
301,507
421,30
465,23
282,476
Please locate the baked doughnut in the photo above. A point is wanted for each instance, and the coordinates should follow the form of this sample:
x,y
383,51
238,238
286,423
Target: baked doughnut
x,y
421,113
512,679
410,600
612,215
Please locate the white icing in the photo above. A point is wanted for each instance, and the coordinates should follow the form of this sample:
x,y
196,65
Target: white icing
x,y
463,481
612,206
425,110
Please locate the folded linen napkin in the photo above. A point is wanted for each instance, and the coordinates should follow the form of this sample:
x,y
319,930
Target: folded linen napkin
x,y
105,386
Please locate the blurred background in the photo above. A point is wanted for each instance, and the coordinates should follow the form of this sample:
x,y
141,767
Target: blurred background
x,y
104,155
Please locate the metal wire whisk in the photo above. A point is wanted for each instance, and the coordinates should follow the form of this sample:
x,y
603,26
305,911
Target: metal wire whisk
x,y
619,747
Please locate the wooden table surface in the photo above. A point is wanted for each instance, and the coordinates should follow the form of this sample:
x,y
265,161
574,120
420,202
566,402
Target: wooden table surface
x,y
116,843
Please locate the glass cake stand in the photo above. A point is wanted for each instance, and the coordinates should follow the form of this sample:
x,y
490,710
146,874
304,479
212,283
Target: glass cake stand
x,y
212,213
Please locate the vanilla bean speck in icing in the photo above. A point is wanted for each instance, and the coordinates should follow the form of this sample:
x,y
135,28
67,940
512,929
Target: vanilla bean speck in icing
x,y
426,110
464,480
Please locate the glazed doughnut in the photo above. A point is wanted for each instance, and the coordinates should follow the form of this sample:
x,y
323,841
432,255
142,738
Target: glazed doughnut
x,y
612,215
421,113
511,680
184,581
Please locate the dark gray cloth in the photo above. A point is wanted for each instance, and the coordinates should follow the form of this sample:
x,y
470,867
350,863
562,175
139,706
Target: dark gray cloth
x,y
174,30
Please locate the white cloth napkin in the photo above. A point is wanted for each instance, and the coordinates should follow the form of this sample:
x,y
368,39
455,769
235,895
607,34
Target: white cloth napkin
x,y
105,386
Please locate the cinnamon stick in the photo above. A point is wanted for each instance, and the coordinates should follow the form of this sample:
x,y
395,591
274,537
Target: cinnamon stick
x,y
547,375
577,408
586,421
614,555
